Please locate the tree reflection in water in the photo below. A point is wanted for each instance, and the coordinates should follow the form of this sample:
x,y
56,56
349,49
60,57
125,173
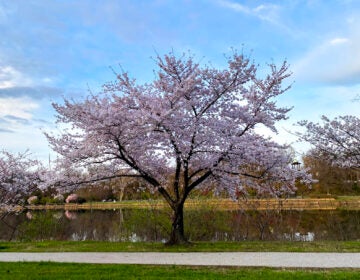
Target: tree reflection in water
x,y
202,225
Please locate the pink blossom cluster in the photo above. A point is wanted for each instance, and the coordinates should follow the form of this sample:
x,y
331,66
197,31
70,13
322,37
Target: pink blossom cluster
x,y
72,198
193,124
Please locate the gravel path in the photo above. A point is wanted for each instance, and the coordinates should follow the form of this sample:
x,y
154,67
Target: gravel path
x,y
268,259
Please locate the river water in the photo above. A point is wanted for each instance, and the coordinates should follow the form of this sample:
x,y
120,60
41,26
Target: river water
x,y
200,225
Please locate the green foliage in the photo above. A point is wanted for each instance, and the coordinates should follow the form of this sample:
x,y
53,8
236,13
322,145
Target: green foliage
x,y
356,188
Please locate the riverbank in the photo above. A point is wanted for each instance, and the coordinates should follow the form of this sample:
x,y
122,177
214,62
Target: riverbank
x,y
241,246
348,203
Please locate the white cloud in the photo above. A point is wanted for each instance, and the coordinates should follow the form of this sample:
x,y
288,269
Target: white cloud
x,y
339,41
269,12
20,129
235,6
335,60
10,77
28,138
265,12
18,107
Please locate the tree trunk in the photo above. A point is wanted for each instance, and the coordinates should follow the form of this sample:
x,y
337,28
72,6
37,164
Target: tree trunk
x,y
177,235
121,193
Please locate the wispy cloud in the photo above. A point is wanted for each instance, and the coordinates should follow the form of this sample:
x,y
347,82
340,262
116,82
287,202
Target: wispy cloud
x,y
35,92
16,116
4,126
16,119
333,61
339,41
44,122
17,107
5,130
10,77
265,12
235,6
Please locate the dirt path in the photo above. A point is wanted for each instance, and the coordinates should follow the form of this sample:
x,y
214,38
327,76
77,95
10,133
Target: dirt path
x,y
268,259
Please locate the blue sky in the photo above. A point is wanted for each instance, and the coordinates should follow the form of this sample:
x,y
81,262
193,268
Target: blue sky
x,y
50,49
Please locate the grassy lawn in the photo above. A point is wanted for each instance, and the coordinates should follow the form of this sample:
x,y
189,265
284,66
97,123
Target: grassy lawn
x,y
243,246
47,270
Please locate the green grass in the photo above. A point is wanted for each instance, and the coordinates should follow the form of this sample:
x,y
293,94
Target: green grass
x,y
243,246
48,270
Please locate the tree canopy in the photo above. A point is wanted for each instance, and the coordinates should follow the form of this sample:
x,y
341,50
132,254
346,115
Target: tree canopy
x,y
192,125
19,175
337,140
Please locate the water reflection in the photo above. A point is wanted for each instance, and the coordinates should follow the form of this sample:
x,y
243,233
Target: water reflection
x,y
70,215
201,225
298,236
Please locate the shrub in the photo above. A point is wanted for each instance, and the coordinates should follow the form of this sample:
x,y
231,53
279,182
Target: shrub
x,y
33,200
59,198
74,198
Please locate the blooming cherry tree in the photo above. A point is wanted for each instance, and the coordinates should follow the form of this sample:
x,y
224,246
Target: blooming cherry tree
x,y
19,176
191,126
336,140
